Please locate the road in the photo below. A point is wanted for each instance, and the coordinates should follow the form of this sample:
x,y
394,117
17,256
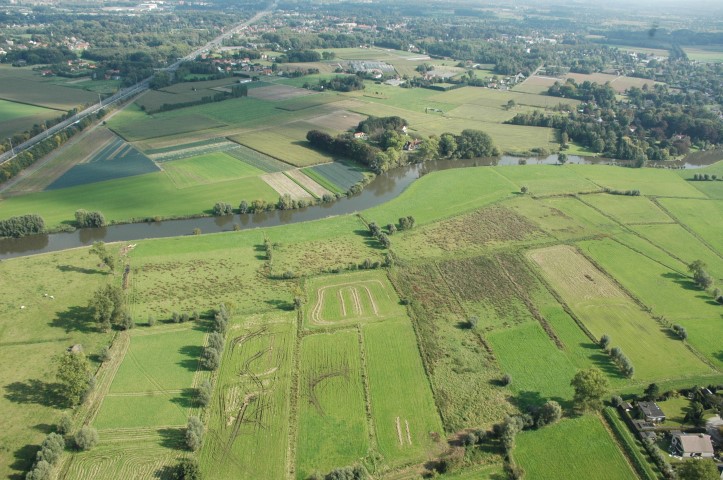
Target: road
x,y
133,90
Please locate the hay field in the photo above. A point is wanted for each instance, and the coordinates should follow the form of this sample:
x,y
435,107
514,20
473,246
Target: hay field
x,y
206,169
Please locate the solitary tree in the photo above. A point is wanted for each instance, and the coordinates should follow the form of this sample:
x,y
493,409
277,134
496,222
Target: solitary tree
x,y
86,438
548,414
701,277
73,374
106,306
561,158
104,256
187,469
652,392
590,386
699,469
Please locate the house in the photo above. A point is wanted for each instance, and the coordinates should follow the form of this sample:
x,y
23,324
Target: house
x,y
651,412
360,135
691,445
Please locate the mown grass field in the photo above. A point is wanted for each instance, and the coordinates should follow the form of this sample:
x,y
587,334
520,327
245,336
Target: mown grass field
x,y
708,54
210,168
13,110
18,117
248,418
701,216
332,428
352,298
402,406
556,452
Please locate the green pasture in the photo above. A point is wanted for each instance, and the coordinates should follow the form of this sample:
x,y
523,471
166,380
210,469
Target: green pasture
x,y
701,216
605,309
547,179
589,221
210,168
139,197
677,241
23,85
143,411
675,409
155,127
32,336
159,361
667,293
430,198
487,97
707,54
629,210
18,117
12,110
249,416
712,189
556,452
399,390
650,181
332,428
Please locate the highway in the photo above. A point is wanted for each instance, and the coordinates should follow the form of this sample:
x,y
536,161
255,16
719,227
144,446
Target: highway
x,y
132,90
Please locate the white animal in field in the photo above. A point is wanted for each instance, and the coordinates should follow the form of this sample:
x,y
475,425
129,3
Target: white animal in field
x,y
22,307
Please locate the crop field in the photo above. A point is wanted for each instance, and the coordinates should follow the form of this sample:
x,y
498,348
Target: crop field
x,y
282,146
26,86
605,309
195,149
115,160
248,424
279,92
338,175
131,197
352,298
150,128
538,85
12,111
332,428
403,409
701,216
339,120
284,185
597,458
307,183
486,97
205,169
258,159
667,292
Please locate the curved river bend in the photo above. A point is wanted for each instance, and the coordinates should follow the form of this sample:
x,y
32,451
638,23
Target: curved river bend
x,y
383,188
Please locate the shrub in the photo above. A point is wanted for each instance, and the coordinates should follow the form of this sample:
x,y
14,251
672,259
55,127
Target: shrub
x,y
194,433
86,219
205,391
187,469
222,208
216,341
86,438
51,449
65,425
22,226
41,471
105,354
210,360
151,320
506,379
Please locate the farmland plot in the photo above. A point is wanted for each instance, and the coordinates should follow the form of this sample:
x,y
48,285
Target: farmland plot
x,y
605,309
283,145
545,451
248,425
332,427
405,416
285,186
339,174
358,297
206,169
702,216
629,210
307,183
258,159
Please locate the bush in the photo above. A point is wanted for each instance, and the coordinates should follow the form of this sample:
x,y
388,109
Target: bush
x,y
151,320
506,379
51,449
222,208
65,425
41,471
549,413
194,433
216,341
86,438
187,469
205,391
86,219
22,226
105,354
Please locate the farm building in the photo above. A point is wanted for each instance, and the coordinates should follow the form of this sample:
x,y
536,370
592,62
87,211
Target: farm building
x,y
651,412
691,445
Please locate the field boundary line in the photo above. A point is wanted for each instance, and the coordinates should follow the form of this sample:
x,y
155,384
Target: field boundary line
x,y
686,227
620,446
531,306
373,443
540,276
95,402
294,393
411,315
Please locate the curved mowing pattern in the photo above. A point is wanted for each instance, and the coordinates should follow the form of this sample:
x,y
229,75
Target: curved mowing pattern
x,y
116,160
344,299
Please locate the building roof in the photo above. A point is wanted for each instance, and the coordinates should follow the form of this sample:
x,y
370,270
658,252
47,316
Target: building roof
x,y
696,442
650,409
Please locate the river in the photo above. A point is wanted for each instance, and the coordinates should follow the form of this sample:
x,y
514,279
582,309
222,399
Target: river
x,y
382,189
